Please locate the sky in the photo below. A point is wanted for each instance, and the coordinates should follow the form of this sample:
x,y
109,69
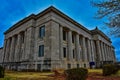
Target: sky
x,y
81,11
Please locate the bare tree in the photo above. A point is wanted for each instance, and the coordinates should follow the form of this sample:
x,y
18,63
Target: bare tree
x,y
111,10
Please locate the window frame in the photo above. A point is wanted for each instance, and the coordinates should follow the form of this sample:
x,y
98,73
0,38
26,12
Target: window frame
x,y
64,52
42,31
41,51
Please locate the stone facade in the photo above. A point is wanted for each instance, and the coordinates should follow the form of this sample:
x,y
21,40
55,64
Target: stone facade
x,y
66,43
1,55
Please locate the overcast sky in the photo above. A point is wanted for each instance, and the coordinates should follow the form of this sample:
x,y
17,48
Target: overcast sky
x,y
12,11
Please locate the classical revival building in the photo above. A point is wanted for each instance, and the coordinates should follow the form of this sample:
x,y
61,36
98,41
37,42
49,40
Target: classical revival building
x,y
1,55
52,40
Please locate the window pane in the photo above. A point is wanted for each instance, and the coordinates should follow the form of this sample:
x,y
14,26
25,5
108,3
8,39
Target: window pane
x,y
64,52
73,38
42,31
73,54
64,35
41,51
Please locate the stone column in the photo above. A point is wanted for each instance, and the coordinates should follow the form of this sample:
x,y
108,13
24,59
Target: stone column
x,y
92,51
12,48
61,42
4,50
70,52
98,49
112,58
84,49
77,48
7,50
29,44
106,52
25,43
81,51
102,49
89,50
17,51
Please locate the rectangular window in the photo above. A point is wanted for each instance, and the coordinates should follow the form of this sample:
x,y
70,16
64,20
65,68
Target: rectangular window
x,y
77,65
64,35
73,40
73,54
69,66
42,32
39,67
41,51
64,52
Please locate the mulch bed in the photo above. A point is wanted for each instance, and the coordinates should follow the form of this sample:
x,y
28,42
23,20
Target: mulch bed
x,y
97,76
91,76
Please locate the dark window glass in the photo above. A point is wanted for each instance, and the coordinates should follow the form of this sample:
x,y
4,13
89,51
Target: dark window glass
x,y
73,53
77,65
42,32
39,67
73,40
64,35
69,66
64,52
41,51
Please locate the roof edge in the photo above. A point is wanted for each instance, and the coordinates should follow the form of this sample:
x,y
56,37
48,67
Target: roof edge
x,y
51,8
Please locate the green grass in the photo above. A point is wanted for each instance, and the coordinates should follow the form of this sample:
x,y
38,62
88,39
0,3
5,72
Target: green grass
x,y
117,74
95,70
11,75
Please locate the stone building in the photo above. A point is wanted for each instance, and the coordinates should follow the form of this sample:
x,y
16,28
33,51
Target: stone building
x,y
1,55
52,40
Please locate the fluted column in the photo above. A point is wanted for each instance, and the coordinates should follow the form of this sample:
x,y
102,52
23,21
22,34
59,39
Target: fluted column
x,y
84,49
11,58
25,43
17,51
23,47
61,42
77,48
4,50
102,50
106,52
99,50
7,50
70,52
113,54
92,50
89,50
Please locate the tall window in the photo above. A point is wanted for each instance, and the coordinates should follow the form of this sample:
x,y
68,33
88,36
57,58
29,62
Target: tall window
x,y
73,38
42,32
73,54
64,35
69,66
64,52
41,51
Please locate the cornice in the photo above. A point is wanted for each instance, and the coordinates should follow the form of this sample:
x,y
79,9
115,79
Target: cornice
x,y
96,31
35,17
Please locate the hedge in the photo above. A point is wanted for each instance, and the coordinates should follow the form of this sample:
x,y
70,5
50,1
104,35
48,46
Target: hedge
x,y
1,72
76,74
109,69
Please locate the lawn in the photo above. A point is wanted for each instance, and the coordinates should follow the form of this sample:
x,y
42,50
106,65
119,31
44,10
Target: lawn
x,y
12,75
93,73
